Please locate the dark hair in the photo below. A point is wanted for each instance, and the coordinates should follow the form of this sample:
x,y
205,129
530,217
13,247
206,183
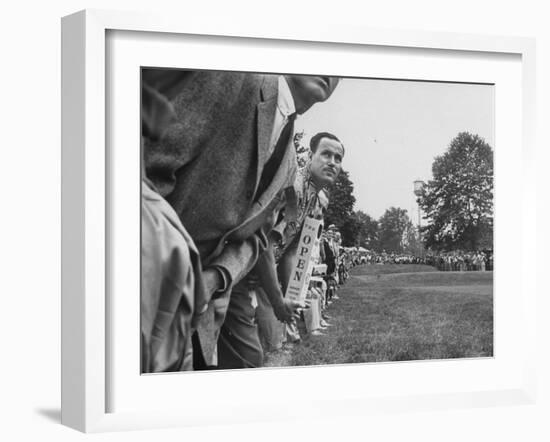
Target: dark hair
x,y
316,139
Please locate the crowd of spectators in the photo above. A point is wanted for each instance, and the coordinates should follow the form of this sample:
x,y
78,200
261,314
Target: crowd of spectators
x,y
224,204
461,260
223,208
457,260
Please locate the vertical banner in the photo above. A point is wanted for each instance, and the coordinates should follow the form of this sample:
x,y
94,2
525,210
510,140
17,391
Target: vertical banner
x,y
303,264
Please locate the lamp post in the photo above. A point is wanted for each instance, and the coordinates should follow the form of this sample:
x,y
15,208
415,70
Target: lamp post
x,y
417,189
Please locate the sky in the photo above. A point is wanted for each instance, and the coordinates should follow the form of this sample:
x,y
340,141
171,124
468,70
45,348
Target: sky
x,y
392,130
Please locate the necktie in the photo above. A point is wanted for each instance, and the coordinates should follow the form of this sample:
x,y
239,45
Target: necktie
x,y
274,161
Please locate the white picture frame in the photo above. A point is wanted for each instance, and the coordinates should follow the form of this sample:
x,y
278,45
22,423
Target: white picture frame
x,y
87,212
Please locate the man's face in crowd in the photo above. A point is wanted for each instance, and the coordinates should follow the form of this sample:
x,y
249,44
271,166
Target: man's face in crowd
x,y
308,90
326,162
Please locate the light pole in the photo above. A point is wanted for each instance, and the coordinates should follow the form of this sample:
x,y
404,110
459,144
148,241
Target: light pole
x,y
417,189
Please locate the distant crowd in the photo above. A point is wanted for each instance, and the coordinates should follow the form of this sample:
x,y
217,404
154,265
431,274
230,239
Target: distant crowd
x,y
456,260
461,261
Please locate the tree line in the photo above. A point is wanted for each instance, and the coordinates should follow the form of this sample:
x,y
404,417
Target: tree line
x,y
457,205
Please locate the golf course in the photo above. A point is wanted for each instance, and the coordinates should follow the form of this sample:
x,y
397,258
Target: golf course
x,y
395,312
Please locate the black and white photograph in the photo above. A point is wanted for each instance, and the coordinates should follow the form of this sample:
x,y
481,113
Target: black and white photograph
x,y
293,220
306,221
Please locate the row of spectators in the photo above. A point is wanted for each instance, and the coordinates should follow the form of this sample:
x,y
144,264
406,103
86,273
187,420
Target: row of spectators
x,y
456,260
461,261
224,205
330,264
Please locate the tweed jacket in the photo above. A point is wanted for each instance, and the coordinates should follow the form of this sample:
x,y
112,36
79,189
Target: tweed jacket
x,y
208,167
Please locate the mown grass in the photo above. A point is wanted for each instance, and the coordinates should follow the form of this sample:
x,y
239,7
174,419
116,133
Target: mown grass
x,y
403,313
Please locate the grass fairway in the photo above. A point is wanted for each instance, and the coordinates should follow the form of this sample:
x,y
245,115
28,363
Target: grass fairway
x,y
403,313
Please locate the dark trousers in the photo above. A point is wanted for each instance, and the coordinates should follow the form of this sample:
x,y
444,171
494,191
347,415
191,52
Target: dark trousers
x,y
239,344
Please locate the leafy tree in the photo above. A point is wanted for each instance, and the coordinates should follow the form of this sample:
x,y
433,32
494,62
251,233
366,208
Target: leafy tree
x,y
340,208
392,228
411,240
302,151
367,230
349,229
458,202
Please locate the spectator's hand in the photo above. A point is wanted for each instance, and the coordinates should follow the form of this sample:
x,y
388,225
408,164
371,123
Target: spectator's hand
x,y
287,311
253,281
316,292
213,281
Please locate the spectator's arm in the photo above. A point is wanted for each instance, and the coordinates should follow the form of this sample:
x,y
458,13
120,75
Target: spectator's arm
x,y
284,309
